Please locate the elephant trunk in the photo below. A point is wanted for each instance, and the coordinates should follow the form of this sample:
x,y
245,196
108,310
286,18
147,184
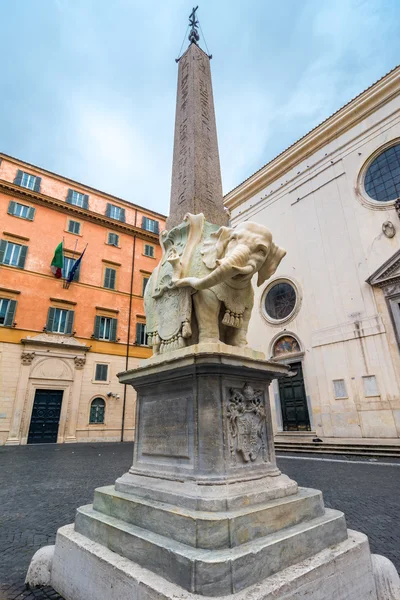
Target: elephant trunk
x,y
233,264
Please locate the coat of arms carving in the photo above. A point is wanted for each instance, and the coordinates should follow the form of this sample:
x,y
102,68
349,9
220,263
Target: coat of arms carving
x,y
246,424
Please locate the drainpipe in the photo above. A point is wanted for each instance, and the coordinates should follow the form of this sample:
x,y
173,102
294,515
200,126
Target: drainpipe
x,y
129,330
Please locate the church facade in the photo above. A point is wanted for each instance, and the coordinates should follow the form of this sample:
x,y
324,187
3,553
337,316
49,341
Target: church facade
x,y
332,309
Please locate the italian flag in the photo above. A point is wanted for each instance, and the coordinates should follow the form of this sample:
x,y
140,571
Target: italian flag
x,y
57,263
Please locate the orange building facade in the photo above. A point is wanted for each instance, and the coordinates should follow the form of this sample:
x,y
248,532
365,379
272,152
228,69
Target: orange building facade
x,y
61,346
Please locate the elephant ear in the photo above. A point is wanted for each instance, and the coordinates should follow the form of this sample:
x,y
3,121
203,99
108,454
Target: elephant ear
x,y
271,263
214,248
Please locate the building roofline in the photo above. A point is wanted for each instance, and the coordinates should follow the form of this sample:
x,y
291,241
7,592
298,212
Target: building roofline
x,y
376,95
81,185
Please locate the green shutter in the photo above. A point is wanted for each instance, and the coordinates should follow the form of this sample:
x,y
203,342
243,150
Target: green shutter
x,y
143,222
31,213
112,278
106,277
122,213
69,196
36,187
3,246
108,209
156,229
18,177
11,208
138,333
22,257
96,334
50,319
85,201
70,321
9,320
113,330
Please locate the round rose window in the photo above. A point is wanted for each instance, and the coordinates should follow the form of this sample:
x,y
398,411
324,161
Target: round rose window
x,y
382,180
280,301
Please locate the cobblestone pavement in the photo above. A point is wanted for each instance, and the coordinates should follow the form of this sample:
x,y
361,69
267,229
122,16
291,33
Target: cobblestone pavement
x,y
41,486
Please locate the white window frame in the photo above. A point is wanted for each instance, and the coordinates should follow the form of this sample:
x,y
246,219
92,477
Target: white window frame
x,y
58,318
115,212
28,181
77,198
370,385
16,250
151,224
340,382
103,325
23,213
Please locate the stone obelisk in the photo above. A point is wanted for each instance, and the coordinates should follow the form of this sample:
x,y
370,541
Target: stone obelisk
x,y
196,175
204,510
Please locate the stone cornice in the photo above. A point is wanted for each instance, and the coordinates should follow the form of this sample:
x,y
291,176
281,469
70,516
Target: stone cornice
x,y
348,116
81,186
60,205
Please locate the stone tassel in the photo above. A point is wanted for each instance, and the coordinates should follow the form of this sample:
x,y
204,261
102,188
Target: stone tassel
x,y
226,319
186,329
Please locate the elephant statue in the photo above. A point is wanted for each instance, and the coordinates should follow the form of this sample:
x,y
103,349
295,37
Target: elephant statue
x,y
208,269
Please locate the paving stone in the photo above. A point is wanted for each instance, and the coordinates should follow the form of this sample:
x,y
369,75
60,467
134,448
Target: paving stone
x,y
46,483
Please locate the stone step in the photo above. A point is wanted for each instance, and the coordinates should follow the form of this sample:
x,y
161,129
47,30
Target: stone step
x,y
218,572
210,530
356,450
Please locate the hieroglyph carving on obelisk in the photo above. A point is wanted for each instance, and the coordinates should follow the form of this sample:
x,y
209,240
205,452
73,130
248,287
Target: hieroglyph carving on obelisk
x,y
196,175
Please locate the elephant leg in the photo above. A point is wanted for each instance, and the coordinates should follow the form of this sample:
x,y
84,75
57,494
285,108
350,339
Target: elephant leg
x,y
238,337
207,305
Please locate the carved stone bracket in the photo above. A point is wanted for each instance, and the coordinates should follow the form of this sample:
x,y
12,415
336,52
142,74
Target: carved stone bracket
x,y
27,358
246,420
80,362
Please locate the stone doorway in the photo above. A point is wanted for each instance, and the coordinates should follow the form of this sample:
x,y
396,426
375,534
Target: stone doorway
x,y
293,399
45,418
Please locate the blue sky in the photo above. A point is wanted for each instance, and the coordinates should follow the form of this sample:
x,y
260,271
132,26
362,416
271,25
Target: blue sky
x,y
88,87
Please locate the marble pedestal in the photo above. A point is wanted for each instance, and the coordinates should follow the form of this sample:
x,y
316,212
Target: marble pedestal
x,y
204,511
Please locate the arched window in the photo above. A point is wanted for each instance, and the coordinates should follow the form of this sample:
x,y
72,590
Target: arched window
x,y
382,179
286,344
97,410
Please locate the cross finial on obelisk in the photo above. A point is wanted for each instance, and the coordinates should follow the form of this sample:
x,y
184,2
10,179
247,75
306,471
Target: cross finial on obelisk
x,y
196,175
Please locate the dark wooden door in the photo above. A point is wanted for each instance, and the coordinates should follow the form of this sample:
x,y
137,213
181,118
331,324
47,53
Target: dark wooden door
x,y
45,417
293,401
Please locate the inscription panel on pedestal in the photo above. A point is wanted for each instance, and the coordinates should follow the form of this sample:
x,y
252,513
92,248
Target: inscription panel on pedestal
x,y
164,428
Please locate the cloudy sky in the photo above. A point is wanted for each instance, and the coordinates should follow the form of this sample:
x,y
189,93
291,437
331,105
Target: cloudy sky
x,y
88,86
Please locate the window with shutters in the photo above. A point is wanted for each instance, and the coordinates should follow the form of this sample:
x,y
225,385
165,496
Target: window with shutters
x,y
77,198
60,320
97,411
7,312
110,277
21,210
150,224
149,250
113,239
141,334
26,180
105,328
68,264
115,212
145,281
101,372
74,227
12,254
